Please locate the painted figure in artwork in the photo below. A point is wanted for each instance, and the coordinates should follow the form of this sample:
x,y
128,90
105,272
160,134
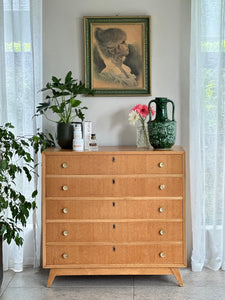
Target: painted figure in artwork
x,y
111,58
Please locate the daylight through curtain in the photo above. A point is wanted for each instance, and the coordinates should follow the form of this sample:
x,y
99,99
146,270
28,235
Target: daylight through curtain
x,y
20,80
207,133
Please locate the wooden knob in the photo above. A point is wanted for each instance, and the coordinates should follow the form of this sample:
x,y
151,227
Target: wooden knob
x,y
162,232
64,165
162,254
161,164
65,210
65,187
161,209
65,233
162,187
65,255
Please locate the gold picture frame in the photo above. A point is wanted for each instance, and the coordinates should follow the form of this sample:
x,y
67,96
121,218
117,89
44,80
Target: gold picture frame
x,y
117,55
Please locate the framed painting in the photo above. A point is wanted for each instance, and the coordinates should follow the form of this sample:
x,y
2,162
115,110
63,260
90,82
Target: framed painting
x,y
117,55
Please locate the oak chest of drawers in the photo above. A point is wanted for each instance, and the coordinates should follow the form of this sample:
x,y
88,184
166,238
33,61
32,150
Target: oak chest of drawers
x,y
120,210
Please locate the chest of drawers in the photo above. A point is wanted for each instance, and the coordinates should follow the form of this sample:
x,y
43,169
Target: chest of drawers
x,y
120,210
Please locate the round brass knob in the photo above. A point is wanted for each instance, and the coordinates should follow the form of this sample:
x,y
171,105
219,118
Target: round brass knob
x,y
65,233
162,187
161,164
64,165
161,209
162,254
65,187
162,232
65,255
65,210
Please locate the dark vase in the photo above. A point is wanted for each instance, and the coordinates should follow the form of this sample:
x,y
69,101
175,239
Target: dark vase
x,y
162,131
65,135
1,264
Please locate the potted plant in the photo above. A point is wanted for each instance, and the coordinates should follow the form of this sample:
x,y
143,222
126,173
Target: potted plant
x,y
15,160
62,101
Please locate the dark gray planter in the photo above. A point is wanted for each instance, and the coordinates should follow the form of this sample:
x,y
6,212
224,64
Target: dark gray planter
x,y
65,135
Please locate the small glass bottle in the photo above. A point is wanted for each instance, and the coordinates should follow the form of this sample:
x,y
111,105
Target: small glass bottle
x,y
78,142
93,145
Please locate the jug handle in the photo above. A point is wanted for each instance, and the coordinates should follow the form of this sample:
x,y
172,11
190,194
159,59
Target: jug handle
x,y
173,108
149,109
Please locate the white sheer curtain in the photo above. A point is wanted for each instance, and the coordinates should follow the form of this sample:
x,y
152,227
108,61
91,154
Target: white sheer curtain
x,y
207,131
20,80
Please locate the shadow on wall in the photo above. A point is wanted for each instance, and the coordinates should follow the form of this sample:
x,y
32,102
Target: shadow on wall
x,y
126,133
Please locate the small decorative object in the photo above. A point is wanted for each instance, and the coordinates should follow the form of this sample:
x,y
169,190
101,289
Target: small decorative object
x,y
87,133
62,101
78,142
162,131
137,117
93,145
117,55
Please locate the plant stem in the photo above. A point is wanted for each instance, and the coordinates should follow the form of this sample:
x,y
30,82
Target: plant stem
x,y
58,105
49,119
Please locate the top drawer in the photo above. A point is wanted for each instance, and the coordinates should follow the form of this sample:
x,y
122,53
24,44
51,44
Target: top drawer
x,y
113,164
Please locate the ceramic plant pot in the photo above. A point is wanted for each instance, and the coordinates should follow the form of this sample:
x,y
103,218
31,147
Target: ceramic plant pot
x,y
65,135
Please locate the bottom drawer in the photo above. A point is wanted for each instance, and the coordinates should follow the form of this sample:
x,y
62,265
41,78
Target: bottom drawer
x,y
118,254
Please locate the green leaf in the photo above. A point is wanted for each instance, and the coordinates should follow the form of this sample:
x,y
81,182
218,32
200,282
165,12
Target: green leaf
x,y
43,106
68,77
74,102
55,79
55,109
3,164
34,194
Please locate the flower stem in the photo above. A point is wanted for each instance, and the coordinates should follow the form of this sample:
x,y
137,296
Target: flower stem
x,y
145,133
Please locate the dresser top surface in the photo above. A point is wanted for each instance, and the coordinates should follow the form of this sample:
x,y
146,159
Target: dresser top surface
x,y
112,149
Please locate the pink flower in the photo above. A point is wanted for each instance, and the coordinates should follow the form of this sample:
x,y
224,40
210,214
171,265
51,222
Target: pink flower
x,y
137,108
142,110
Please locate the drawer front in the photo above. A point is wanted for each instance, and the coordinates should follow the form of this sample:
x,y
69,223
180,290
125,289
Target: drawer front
x,y
113,209
114,164
117,254
114,231
114,186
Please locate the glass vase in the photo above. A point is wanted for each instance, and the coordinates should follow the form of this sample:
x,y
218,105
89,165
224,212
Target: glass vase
x,y
142,140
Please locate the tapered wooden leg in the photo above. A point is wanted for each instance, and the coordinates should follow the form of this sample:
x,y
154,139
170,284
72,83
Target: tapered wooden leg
x,y
176,273
51,277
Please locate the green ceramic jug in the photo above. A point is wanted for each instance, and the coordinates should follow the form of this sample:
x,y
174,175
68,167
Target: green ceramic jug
x,y
162,131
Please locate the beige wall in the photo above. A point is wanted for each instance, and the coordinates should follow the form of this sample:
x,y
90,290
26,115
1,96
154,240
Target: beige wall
x,y
170,42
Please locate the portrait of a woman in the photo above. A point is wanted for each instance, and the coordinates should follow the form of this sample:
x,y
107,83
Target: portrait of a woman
x,y
117,64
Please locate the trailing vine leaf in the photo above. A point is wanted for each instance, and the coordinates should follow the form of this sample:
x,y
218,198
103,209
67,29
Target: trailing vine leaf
x,y
16,161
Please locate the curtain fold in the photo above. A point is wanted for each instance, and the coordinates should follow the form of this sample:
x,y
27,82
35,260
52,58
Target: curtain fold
x,y
20,80
207,133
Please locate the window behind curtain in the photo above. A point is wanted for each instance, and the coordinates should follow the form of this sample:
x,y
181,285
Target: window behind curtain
x,y
212,45
19,65
20,81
